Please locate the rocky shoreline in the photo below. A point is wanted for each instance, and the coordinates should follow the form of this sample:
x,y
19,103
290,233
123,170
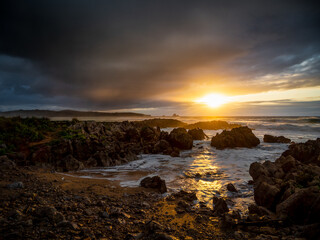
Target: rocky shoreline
x,y
39,203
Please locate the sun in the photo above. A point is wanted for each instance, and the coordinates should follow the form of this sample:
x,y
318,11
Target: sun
x,y
213,100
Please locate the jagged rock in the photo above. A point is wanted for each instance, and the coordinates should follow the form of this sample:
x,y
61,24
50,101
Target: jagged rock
x,y
162,146
132,135
290,186
154,182
266,195
274,139
180,138
197,134
286,163
301,207
148,133
220,206
237,137
308,152
69,163
231,187
259,210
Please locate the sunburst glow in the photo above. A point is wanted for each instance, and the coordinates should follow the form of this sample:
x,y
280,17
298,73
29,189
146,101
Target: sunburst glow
x,y
214,100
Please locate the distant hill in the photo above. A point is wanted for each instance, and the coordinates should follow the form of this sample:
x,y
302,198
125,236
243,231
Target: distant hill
x,y
67,113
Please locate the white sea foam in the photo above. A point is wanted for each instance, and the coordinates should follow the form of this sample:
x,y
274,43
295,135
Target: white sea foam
x,y
206,170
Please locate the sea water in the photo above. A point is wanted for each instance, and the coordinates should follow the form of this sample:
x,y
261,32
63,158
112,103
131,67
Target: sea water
x,y
207,170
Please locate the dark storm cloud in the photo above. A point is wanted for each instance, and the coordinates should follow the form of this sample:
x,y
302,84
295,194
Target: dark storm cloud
x,y
121,54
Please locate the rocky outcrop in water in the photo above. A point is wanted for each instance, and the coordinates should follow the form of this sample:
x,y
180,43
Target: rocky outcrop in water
x,y
289,187
197,134
237,137
95,144
180,138
274,139
212,125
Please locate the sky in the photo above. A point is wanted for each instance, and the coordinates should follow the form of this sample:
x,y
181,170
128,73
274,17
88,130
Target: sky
x,y
161,57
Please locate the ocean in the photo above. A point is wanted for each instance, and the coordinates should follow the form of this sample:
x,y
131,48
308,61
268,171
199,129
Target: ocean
x,y
206,170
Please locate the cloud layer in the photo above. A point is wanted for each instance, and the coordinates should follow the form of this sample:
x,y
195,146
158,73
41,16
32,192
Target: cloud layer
x,y
104,55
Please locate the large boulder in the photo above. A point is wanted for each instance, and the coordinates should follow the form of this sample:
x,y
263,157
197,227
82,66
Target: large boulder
x,y
274,139
301,207
180,138
308,152
289,186
237,137
197,134
154,182
266,195
219,206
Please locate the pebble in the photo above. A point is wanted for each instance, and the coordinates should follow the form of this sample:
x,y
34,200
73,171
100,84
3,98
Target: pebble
x,y
15,185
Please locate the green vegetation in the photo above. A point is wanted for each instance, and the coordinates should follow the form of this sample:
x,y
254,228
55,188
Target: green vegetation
x,y
15,132
71,134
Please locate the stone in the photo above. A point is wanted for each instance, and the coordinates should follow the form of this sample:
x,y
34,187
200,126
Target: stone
x,y
15,185
220,207
231,187
148,133
180,138
197,134
257,170
266,195
154,182
307,152
302,207
104,214
162,146
273,139
237,137
67,224
50,213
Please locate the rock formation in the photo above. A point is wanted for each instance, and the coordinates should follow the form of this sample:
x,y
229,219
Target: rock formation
x,y
237,137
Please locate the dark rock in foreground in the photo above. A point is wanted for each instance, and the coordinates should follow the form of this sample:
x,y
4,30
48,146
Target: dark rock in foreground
x,y
237,137
180,138
220,206
289,187
154,182
231,187
273,139
197,134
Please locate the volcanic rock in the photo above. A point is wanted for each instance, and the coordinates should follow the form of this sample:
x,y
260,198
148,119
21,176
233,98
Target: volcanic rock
x,y
197,134
274,139
154,182
180,138
220,206
231,187
237,137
